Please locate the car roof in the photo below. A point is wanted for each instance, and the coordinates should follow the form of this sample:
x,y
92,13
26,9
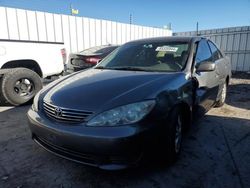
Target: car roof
x,y
167,39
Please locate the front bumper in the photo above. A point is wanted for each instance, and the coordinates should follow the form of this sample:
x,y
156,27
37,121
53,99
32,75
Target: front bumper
x,y
104,147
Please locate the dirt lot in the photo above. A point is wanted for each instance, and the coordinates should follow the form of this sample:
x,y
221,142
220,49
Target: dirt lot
x,y
216,153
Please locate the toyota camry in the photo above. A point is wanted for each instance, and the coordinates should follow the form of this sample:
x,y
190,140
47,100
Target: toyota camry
x,y
136,102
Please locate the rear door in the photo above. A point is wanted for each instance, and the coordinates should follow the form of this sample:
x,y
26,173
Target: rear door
x,y
207,82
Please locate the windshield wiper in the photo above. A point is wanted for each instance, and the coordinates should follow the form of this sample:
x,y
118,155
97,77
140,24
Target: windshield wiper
x,y
100,67
129,68
121,68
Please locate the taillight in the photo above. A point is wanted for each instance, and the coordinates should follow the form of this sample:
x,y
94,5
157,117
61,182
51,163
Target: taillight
x,y
92,60
64,55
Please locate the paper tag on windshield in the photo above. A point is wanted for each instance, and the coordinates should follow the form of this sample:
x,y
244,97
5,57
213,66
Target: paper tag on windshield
x,y
166,49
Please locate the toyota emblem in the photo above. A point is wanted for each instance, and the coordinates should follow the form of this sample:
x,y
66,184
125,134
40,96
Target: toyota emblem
x,y
58,112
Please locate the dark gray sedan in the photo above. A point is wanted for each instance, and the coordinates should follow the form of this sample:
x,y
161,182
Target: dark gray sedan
x,y
138,101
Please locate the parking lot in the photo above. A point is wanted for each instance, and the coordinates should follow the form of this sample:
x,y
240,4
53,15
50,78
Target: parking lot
x,y
216,153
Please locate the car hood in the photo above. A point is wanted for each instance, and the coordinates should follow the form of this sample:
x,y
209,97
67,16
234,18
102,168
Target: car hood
x,y
97,90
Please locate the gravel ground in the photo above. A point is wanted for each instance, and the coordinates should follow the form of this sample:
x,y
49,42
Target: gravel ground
x,y
216,153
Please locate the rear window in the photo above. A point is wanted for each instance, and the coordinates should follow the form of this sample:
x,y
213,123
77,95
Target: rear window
x,y
98,50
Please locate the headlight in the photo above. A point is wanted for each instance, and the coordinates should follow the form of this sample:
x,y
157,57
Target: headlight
x,y
122,115
35,102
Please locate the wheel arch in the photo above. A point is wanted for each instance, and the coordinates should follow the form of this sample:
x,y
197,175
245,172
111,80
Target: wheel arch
x,y
24,63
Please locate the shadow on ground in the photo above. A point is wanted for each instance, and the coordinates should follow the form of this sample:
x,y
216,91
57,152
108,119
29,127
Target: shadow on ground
x,y
241,75
238,96
215,154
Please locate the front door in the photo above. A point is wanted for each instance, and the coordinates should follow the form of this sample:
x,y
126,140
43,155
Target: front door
x,y
207,82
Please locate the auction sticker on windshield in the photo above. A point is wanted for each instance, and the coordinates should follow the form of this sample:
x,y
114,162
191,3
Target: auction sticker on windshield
x,y
166,49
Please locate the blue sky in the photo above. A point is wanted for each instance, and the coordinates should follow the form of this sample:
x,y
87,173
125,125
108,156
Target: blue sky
x,y
182,14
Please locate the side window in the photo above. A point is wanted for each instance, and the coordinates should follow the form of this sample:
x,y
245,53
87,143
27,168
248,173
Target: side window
x,y
215,52
203,52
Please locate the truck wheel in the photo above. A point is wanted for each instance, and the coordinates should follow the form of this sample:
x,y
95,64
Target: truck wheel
x,y
19,86
223,95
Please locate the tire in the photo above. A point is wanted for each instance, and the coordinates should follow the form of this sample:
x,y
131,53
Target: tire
x,y
173,131
19,86
223,96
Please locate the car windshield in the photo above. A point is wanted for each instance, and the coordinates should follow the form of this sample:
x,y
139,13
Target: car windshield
x,y
153,56
98,50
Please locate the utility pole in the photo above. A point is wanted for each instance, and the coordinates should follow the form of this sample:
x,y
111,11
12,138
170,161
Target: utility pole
x,y
71,9
130,23
169,26
130,19
197,28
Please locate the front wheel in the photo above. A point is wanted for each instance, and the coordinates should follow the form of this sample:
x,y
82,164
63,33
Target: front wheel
x,y
223,96
19,86
173,136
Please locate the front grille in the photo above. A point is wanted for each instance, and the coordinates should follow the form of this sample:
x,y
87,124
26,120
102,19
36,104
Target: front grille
x,y
65,114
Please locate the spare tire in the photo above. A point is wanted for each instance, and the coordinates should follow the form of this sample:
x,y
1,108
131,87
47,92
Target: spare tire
x,y
19,86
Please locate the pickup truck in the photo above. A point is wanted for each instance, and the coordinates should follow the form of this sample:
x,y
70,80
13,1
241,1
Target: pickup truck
x,y
23,65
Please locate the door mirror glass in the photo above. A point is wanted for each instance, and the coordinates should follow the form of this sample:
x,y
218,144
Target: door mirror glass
x,y
205,66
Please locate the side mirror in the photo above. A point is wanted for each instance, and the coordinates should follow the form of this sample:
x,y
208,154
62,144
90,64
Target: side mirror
x,y
206,66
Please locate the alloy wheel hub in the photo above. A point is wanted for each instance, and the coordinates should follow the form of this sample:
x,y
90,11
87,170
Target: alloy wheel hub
x,y
24,87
